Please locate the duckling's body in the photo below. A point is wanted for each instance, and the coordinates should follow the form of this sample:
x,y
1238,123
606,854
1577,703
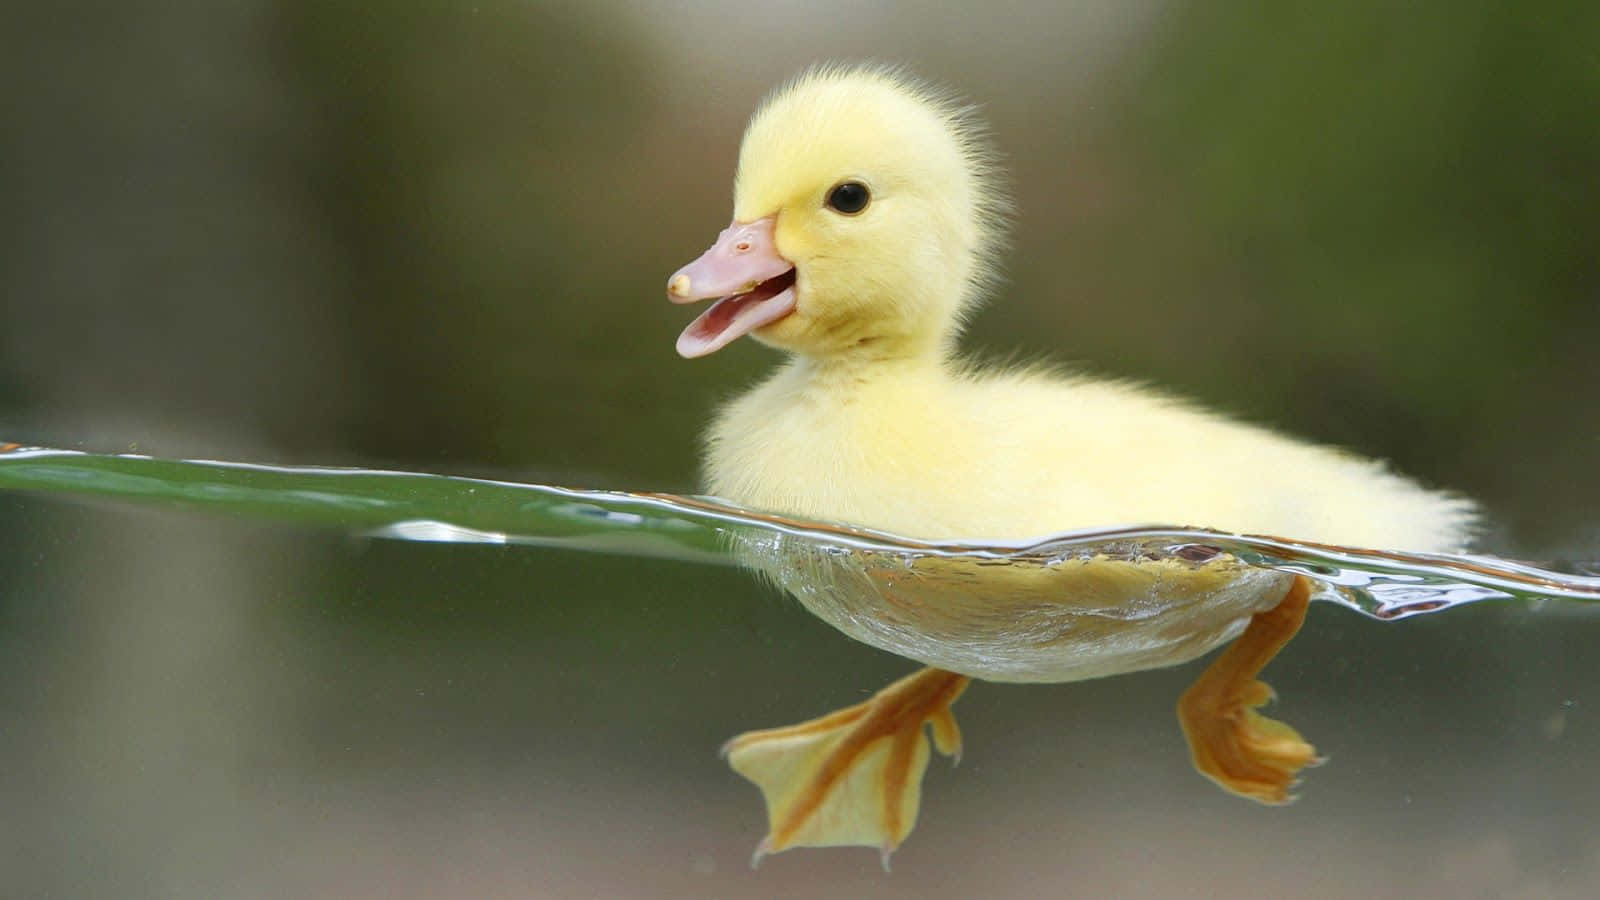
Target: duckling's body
x,y
866,222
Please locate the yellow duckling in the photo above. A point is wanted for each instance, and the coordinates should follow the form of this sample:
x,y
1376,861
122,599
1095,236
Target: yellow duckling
x,y
867,218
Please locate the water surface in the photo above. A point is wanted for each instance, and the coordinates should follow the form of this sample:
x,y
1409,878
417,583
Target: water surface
x,y
1383,584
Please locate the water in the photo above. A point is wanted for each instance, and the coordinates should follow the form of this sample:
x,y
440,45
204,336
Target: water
x,y
1383,584
225,702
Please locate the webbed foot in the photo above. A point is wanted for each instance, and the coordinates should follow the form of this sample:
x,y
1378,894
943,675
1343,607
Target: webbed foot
x,y
852,777
1243,751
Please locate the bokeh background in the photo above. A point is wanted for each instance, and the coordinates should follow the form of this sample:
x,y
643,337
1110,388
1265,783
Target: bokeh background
x,y
434,235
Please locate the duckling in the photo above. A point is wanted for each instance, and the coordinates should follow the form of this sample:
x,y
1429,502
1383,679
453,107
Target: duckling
x,y
868,217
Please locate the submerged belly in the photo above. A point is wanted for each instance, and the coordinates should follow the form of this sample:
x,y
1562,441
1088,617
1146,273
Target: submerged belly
x,y
1045,620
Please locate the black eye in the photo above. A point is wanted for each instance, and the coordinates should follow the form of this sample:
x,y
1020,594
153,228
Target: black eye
x,y
849,198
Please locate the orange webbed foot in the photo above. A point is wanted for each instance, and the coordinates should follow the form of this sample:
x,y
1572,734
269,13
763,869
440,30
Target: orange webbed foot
x,y
1243,751
852,777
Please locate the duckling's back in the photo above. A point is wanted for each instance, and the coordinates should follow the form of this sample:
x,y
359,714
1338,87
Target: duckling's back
x,y
920,450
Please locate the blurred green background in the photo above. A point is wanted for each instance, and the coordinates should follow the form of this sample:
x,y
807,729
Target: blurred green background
x,y
434,235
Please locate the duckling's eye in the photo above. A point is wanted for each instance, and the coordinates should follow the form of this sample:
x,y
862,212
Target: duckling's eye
x,y
849,198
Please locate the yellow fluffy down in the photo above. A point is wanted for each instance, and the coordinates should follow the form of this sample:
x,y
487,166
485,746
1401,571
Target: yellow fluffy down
x,y
874,421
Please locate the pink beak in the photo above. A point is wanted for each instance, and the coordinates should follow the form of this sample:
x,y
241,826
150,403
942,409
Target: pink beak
x,y
755,286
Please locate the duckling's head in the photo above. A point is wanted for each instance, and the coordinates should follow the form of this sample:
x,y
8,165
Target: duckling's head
x,y
866,217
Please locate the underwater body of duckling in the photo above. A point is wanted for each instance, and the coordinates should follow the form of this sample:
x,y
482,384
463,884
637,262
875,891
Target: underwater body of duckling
x,y
866,225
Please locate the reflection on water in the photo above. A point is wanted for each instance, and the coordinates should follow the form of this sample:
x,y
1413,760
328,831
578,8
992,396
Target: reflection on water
x,y
1384,584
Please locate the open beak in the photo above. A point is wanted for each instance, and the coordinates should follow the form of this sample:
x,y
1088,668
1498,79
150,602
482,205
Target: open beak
x,y
753,284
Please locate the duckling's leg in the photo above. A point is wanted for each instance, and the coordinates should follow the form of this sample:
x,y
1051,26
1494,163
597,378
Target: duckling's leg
x,y
852,777
1243,751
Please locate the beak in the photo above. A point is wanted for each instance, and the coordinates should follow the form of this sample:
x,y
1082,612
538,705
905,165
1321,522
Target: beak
x,y
755,287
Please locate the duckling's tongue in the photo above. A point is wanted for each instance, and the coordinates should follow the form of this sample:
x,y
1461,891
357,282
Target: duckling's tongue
x,y
743,268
